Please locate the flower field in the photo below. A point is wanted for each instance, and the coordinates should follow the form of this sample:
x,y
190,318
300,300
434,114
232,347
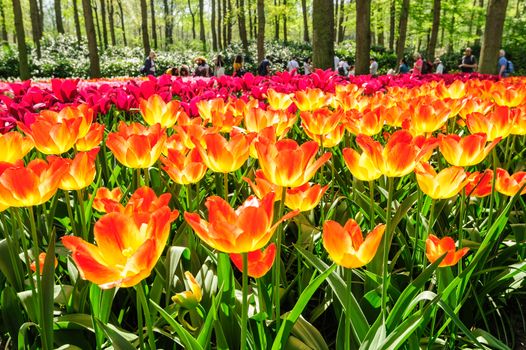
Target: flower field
x,y
290,212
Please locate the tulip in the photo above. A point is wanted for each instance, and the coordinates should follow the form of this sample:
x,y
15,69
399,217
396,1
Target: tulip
x,y
321,121
246,229
497,124
127,249
224,156
41,259
346,246
261,186
330,139
427,117
92,139
81,171
257,119
446,184
259,262
287,164
155,110
465,151
368,123
509,97
137,146
191,298
311,99
104,197
435,248
184,167
278,101
510,185
479,184
14,146
305,197
32,185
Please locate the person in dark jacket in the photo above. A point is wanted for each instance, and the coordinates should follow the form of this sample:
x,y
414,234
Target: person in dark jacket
x,y
149,64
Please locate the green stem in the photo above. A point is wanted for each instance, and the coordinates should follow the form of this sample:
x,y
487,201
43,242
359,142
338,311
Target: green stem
x,y
146,309
85,230
188,199
493,194
146,177
386,243
14,248
371,204
460,222
225,186
262,308
244,315
277,275
431,217
348,311
70,213
137,178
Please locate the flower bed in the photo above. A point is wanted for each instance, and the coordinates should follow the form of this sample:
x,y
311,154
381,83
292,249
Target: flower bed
x,y
266,213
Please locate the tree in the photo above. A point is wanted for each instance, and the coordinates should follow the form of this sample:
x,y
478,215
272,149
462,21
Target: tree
x,y
492,39
21,40
242,26
213,26
285,30
77,21
144,28
261,29
154,29
323,34
434,29
94,64
35,26
192,13
3,29
276,22
305,21
202,35
219,26
104,28
168,21
392,18
341,16
58,17
402,30
111,12
363,36
121,16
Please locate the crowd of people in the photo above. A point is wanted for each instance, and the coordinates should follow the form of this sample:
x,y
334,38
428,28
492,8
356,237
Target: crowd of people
x,y
468,64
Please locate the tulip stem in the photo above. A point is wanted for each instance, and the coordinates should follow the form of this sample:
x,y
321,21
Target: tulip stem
x,y
70,213
387,242
146,309
244,315
225,185
371,203
348,311
277,276
82,215
493,194
146,177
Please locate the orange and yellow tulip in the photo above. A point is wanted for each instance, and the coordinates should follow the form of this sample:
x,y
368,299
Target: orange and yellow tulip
x,y
321,121
479,184
346,246
41,259
222,155
510,185
32,185
509,97
189,299
369,123
92,139
304,198
330,139
184,167
137,146
465,151
127,247
14,146
104,197
155,110
278,101
446,184
261,186
81,171
246,229
259,262
496,124
435,248
427,117
312,99
287,164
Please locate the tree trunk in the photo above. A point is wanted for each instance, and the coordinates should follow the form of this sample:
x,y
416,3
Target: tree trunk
x,y
144,28
242,26
479,28
219,26
35,26
285,34
97,24
261,29
434,29
41,17
103,20
340,21
154,29
229,22
58,17
250,21
121,16
202,35
225,20
402,31
363,36
305,21
276,22
323,34
213,26
77,21
491,42
192,13
3,30
381,33
111,22
94,65
168,22
392,25
21,41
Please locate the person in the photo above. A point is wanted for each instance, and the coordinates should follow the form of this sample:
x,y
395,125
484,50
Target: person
x,y
264,67
202,69
184,71
352,73
174,71
341,69
219,66
238,66
502,64
419,63
403,68
293,65
149,64
373,67
307,66
469,62
336,62
439,66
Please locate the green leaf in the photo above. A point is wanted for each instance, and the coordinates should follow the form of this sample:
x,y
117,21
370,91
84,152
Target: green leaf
x,y
6,265
11,315
48,291
206,330
296,311
117,340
